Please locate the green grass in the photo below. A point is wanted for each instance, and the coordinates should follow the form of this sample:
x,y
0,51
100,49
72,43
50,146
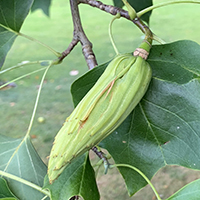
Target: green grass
x,y
170,23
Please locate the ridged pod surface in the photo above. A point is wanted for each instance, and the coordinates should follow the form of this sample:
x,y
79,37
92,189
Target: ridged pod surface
x,y
101,111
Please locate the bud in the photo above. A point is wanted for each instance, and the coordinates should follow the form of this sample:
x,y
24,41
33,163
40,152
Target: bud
x,y
101,111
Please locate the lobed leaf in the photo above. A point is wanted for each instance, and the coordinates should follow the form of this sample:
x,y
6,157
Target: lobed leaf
x,y
162,130
19,158
12,16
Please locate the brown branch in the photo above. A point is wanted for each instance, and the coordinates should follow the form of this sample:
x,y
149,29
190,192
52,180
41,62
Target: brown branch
x,y
101,155
107,8
80,36
73,43
114,10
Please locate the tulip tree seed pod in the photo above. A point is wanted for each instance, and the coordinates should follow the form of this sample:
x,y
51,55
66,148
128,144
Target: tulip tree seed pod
x,y
107,104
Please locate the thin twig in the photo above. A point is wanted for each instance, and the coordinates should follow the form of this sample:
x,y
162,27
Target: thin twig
x,y
123,13
99,153
102,156
107,8
80,36
73,43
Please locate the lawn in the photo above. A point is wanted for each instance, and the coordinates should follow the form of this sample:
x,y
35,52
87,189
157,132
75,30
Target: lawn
x,y
171,23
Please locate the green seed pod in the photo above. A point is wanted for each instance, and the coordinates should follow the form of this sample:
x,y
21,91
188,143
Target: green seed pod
x,y
101,111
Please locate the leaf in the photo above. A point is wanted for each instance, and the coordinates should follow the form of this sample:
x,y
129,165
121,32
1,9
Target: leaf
x,y
78,179
12,16
164,129
190,191
43,5
176,62
138,5
118,3
4,190
19,158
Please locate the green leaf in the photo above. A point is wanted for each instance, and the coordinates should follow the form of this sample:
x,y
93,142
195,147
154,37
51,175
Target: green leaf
x,y
189,192
164,128
4,190
19,158
138,5
118,3
43,5
176,62
78,179
12,16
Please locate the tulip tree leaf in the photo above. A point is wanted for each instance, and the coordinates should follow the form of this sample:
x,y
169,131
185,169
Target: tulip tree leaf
x,y
18,157
4,190
164,129
138,5
176,62
12,16
190,191
77,179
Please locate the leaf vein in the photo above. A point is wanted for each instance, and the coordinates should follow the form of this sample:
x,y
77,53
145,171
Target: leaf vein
x,y
149,125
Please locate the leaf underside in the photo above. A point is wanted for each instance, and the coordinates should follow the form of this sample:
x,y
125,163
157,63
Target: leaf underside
x,y
21,160
12,16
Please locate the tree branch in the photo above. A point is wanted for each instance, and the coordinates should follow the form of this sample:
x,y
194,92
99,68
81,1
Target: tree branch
x,y
114,10
107,8
73,43
80,36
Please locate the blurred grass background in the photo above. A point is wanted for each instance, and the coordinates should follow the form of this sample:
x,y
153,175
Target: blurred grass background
x,y
171,23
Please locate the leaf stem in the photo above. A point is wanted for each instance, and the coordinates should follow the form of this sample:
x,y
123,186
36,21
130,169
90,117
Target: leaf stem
x,y
37,100
32,39
142,12
18,78
21,180
37,41
158,39
22,64
117,16
33,114
142,174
